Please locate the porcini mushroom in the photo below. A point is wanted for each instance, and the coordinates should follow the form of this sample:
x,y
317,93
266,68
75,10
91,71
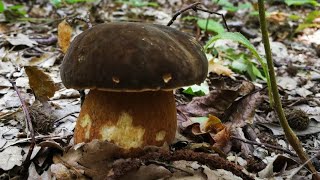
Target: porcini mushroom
x,y
131,70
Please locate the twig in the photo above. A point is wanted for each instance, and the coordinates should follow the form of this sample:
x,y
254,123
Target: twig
x,y
264,145
46,41
301,166
28,122
212,12
182,113
69,114
195,8
191,6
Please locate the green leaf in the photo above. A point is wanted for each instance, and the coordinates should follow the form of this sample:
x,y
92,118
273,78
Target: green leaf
x,y
1,7
239,66
311,16
56,3
301,2
304,26
308,22
78,1
211,25
196,90
237,37
200,120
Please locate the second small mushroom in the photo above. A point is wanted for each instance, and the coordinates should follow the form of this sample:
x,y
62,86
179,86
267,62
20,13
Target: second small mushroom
x,y
131,70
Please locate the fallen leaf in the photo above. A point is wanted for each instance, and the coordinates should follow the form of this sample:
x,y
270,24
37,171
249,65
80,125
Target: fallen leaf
x,y
219,69
21,39
243,110
64,35
287,83
41,83
313,128
213,124
219,174
277,17
276,164
215,103
61,172
148,172
10,157
222,138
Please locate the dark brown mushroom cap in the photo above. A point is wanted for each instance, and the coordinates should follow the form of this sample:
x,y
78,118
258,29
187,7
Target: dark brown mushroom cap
x,y
133,57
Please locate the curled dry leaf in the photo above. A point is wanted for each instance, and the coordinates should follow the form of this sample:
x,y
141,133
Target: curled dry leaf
x,y
41,83
213,124
215,103
219,69
64,35
222,138
242,111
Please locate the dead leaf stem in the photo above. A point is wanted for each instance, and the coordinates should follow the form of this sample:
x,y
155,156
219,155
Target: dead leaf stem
x,y
290,135
29,126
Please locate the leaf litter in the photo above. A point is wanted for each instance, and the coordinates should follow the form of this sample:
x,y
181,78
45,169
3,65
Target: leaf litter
x,y
208,125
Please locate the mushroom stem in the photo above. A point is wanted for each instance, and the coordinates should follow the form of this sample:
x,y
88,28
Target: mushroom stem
x,y
128,119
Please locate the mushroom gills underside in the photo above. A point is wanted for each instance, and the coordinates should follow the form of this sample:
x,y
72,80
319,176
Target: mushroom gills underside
x,y
128,119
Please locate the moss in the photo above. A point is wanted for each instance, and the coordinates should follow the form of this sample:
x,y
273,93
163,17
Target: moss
x,y
297,119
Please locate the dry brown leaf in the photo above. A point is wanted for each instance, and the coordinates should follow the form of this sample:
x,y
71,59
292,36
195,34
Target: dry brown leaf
x,y
214,103
219,69
41,83
64,35
277,17
222,138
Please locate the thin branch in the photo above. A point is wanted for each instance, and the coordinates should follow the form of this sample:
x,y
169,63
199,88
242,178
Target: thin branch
x,y
264,145
191,6
29,126
195,8
212,12
69,114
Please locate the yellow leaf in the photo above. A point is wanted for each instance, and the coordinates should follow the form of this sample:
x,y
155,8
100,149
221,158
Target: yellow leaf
x,y
42,85
219,69
64,35
213,124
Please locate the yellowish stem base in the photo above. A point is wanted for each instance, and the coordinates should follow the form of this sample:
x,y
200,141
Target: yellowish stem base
x,y
128,119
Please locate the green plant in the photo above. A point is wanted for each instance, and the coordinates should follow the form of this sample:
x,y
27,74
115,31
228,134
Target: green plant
x,y
1,6
138,3
12,12
230,7
301,2
237,37
308,21
58,3
210,25
197,90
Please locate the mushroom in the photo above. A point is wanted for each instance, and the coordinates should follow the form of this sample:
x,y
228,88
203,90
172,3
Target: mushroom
x,y
131,70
